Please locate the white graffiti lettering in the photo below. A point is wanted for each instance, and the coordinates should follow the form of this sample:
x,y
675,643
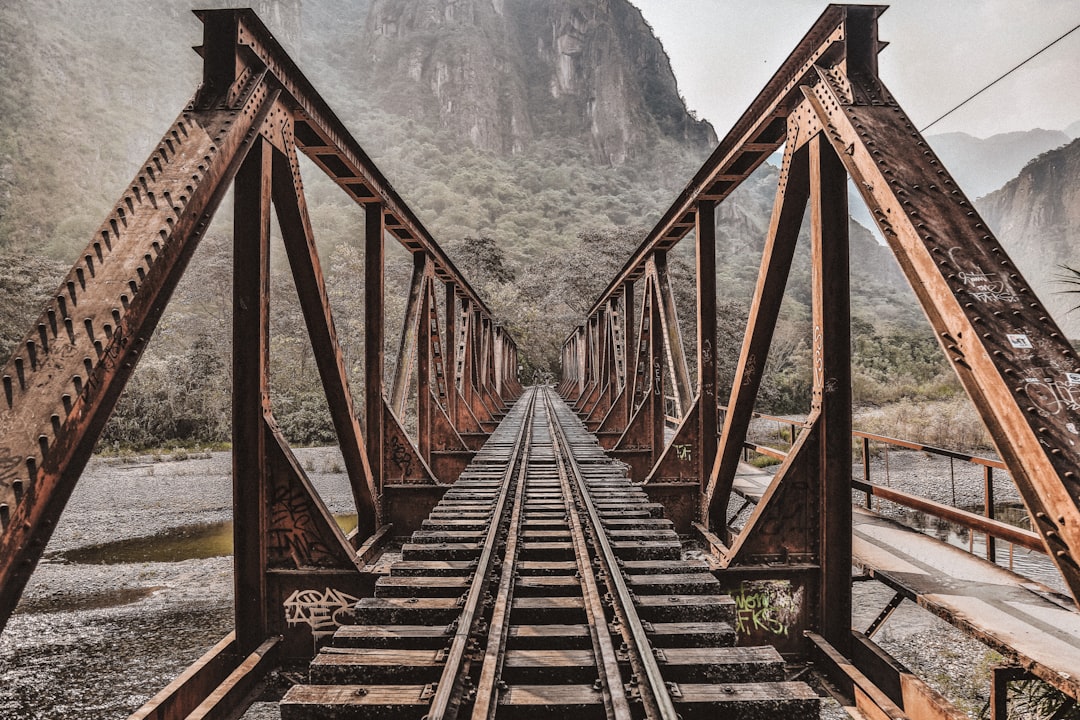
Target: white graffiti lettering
x,y
320,610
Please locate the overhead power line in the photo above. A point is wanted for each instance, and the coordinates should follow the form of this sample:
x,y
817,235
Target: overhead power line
x,y
999,79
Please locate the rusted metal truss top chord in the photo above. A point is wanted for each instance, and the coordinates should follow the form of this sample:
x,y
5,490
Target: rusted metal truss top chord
x,y
754,137
325,139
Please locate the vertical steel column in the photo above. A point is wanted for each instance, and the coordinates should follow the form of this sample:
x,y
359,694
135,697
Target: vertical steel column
x,y
500,361
479,338
656,367
374,259
579,352
705,236
251,391
629,351
988,506
450,348
832,385
423,364
468,390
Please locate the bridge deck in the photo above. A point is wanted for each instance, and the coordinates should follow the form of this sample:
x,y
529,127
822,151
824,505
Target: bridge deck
x,y
1018,617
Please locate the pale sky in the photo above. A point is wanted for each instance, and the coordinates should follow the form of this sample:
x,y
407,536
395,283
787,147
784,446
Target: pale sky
x,y
940,51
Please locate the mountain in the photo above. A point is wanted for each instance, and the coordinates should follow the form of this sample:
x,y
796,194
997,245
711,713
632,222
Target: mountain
x,y
1073,130
503,73
1036,215
981,165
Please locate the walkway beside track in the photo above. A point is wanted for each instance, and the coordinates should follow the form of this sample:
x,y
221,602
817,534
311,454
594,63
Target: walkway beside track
x,y
546,584
1016,616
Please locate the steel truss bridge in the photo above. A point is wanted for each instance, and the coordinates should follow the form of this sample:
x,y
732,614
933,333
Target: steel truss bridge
x,y
539,575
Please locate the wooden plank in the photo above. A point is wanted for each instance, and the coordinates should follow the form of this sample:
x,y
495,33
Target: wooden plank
x,y
1013,615
722,664
691,634
674,583
542,696
237,691
686,608
558,635
747,701
182,695
315,702
397,636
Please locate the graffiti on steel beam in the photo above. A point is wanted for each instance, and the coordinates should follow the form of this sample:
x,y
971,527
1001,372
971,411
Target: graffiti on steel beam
x,y
321,610
294,534
401,456
767,606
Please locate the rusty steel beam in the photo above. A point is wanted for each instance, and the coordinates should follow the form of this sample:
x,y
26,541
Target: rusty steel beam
x,y
792,194
754,137
831,396
325,139
251,392
1010,355
374,328
705,254
62,383
299,239
422,344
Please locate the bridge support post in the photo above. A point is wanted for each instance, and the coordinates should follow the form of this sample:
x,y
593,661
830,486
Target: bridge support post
x,y
705,235
832,386
251,390
629,343
374,258
423,364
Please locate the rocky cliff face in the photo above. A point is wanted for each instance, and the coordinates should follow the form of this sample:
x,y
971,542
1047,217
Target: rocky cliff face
x,y
1037,218
981,165
506,73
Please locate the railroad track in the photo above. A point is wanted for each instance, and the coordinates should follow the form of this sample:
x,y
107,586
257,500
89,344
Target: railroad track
x,y
545,584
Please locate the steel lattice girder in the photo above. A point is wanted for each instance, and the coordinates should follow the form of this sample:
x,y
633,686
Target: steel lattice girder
x,y
62,383
1009,354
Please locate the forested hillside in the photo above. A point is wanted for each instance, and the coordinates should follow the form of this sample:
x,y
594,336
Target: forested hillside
x,y
537,139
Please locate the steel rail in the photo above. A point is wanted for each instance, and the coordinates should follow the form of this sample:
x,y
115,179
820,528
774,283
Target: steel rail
x,y
486,701
450,680
606,658
657,701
